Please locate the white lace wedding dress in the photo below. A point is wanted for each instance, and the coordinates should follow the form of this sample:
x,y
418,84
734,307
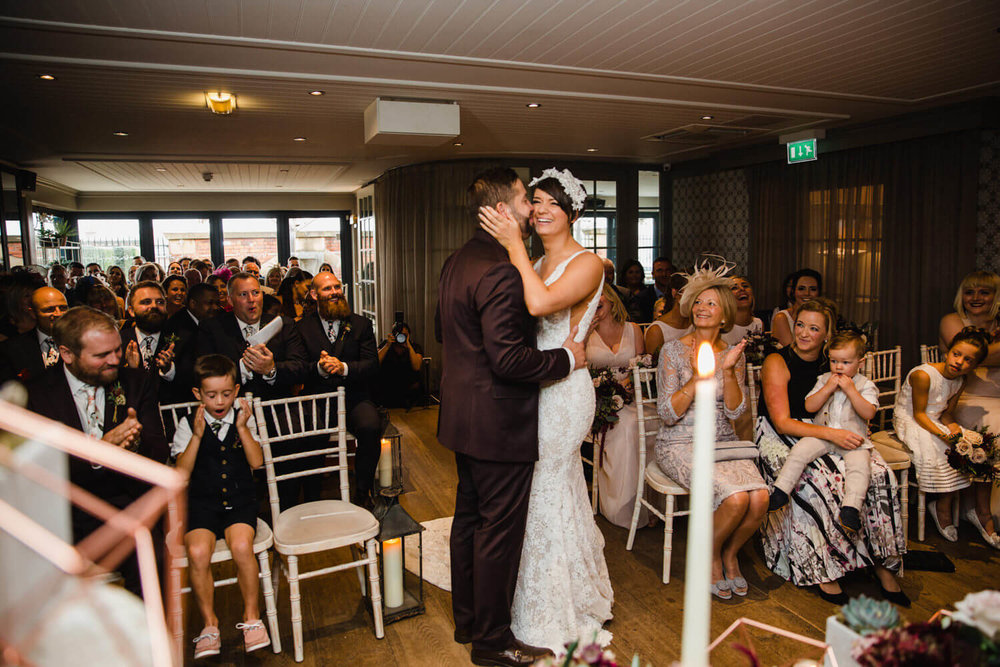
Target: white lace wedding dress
x,y
563,590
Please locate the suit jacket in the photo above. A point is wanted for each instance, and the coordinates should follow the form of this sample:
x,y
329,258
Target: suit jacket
x,y
491,369
21,358
646,299
176,390
355,346
181,325
221,335
49,395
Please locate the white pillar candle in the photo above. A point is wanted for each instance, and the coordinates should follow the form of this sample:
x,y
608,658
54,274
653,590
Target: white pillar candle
x,y
392,572
698,575
385,464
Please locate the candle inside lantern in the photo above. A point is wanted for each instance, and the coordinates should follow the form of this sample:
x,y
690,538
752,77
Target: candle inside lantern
x,y
392,572
698,575
385,464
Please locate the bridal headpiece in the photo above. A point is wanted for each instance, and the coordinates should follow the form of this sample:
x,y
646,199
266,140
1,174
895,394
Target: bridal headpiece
x,y
570,184
711,272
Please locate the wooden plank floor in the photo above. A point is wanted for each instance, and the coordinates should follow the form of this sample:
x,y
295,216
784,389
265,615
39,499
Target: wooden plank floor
x,y
338,629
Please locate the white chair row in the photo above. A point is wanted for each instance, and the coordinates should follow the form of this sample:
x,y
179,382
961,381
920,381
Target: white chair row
x,y
308,528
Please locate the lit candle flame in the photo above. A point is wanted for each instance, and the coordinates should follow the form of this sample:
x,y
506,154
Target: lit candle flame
x,y
706,360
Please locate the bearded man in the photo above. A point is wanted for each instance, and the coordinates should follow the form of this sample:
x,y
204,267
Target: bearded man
x,y
342,353
145,344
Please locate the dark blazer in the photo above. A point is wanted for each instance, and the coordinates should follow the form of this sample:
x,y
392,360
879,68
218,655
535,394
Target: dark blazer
x,y
21,357
172,391
355,346
49,396
646,299
221,335
491,369
181,325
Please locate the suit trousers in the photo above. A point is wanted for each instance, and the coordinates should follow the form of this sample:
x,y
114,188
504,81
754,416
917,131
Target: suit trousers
x,y
487,533
857,467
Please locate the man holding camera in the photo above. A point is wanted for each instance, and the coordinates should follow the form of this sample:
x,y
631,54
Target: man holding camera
x,y
399,359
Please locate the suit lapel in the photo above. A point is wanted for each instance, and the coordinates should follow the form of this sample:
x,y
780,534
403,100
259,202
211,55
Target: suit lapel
x,y
64,399
338,347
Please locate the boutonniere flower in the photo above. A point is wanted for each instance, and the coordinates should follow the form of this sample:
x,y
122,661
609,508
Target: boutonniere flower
x,y
172,339
51,358
346,329
116,395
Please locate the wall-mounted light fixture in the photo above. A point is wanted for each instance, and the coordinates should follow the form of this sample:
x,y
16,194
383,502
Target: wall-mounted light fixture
x,y
221,103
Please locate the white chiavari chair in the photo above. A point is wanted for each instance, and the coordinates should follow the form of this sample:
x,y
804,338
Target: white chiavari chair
x,y
930,354
321,525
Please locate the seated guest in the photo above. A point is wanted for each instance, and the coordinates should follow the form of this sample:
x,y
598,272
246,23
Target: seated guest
x,y
325,268
19,317
274,277
745,323
27,355
202,267
202,303
116,281
924,418
613,344
58,277
219,280
804,542
76,271
341,353
233,264
175,288
146,346
185,264
93,269
808,284
399,360
672,324
222,501
175,269
740,494
193,277
101,298
633,281
292,292
663,268
91,392
293,262
253,269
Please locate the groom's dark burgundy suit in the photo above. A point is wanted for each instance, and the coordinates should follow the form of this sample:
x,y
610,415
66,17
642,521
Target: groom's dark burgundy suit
x,y
489,418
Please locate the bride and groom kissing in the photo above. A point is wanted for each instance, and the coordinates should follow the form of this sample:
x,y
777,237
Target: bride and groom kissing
x,y
527,564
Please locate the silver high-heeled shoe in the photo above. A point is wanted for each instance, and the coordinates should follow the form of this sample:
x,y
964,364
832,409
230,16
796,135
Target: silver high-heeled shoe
x,y
991,539
951,532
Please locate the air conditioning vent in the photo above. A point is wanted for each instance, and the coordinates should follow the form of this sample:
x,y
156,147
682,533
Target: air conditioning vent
x,y
757,121
699,134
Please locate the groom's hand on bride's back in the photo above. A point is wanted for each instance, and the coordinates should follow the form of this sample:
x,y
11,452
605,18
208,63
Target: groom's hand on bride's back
x,y
576,349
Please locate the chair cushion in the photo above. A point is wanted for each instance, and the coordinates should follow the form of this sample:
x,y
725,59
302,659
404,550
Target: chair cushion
x,y
660,482
262,540
322,525
891,449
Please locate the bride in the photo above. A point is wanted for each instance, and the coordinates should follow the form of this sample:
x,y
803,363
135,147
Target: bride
x,y
563,591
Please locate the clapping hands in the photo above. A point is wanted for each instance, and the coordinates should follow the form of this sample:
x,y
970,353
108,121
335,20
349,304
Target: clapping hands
x,y
127,434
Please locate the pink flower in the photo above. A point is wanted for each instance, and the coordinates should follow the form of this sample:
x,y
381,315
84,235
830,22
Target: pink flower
x,y
978,455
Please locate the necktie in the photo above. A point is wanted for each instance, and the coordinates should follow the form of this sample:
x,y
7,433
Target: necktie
x,y
94,427
247,332
147,350
331,331
216,427
50,345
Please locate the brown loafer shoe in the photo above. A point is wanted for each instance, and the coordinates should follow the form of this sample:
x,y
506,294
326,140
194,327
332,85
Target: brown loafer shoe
x,y
462,636
518,654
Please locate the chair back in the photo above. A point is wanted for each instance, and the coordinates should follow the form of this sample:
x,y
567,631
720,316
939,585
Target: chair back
x,y
753,391
171,415
284,419
644,382
884,368
930,354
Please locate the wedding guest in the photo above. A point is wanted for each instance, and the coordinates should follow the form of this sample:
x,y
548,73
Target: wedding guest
x,y
193,277
633,281
146,347
131,275
252,267
19,316
272,305
116,281
233,264
219,280
138,260
804,542
174,269
90,391
175,289
148,272
741,496
808,284
397,384
786,300
924,419
614,343
672,324
201,304
93,269
663,268
185,263
201,266
58,277
293,262
101,298
745,323
76,271
274,277
660,307
222,502
27,355
325,268
292,291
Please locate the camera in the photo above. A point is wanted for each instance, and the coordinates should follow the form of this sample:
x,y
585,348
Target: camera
x,y
397,329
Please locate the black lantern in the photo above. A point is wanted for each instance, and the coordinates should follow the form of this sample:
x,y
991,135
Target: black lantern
x,y
402,590
390,463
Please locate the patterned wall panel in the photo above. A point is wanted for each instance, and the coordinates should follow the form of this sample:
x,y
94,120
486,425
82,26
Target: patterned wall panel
x,y
988,209
712,214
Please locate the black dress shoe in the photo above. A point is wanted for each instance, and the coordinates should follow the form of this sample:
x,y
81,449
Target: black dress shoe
x,y
899,597
838,599
462,636
777,500
850,519
518,654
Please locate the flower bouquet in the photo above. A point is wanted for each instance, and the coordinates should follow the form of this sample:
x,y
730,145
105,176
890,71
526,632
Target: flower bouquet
x,y
975,452
613,390
584,655
758,347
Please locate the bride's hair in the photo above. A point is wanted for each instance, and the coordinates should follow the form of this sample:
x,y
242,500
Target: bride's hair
x,y
554,189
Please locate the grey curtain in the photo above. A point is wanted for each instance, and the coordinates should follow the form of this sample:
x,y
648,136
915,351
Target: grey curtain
x,y
420,219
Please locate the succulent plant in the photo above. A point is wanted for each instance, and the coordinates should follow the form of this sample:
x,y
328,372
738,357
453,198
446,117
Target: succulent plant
x,y
865,615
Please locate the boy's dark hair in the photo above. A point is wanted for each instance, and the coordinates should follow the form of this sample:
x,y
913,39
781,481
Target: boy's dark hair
x,y
213,366
491,187
848,337
974,336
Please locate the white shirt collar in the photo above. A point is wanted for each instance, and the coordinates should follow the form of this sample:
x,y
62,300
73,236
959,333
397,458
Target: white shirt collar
x,y
243,325
76,385
141,335
42,337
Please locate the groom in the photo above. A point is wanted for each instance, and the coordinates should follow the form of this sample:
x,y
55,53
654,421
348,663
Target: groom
x,y
489,418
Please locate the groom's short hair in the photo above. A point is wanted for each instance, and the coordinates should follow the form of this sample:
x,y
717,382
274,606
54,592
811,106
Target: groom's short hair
x,y
491,187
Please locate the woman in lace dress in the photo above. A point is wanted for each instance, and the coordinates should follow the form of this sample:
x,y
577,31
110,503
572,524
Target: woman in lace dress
x,y
740,493
563,591
804,542
613,343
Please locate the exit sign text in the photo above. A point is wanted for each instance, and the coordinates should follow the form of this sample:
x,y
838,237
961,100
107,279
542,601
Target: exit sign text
x,y
801,151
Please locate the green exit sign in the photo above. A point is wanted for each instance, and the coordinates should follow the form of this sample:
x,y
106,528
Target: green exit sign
x,y
801,151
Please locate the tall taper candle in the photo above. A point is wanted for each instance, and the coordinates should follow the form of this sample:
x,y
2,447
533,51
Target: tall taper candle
x,y
698,575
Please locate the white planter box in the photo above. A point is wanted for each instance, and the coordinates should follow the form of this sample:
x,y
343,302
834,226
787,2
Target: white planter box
x,y
841,639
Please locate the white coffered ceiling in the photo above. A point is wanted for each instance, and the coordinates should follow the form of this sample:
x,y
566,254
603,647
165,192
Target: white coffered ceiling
x,y
631,78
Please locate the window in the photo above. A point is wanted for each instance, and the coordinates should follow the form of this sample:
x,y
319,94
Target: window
x,y
596,228
364,266
256,237
649,221
14,242
54,239
844,243
174,238
316,241
108,242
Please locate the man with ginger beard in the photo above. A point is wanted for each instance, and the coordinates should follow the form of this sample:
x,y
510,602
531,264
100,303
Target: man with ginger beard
x,y
89,391
342,353
26,356
144,344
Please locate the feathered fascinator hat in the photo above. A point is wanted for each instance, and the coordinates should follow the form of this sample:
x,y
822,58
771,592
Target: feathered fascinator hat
x,y
572,186
711,271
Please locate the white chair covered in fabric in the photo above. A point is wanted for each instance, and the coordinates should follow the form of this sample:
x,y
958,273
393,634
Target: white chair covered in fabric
x,y
644,380
321,525
262,541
